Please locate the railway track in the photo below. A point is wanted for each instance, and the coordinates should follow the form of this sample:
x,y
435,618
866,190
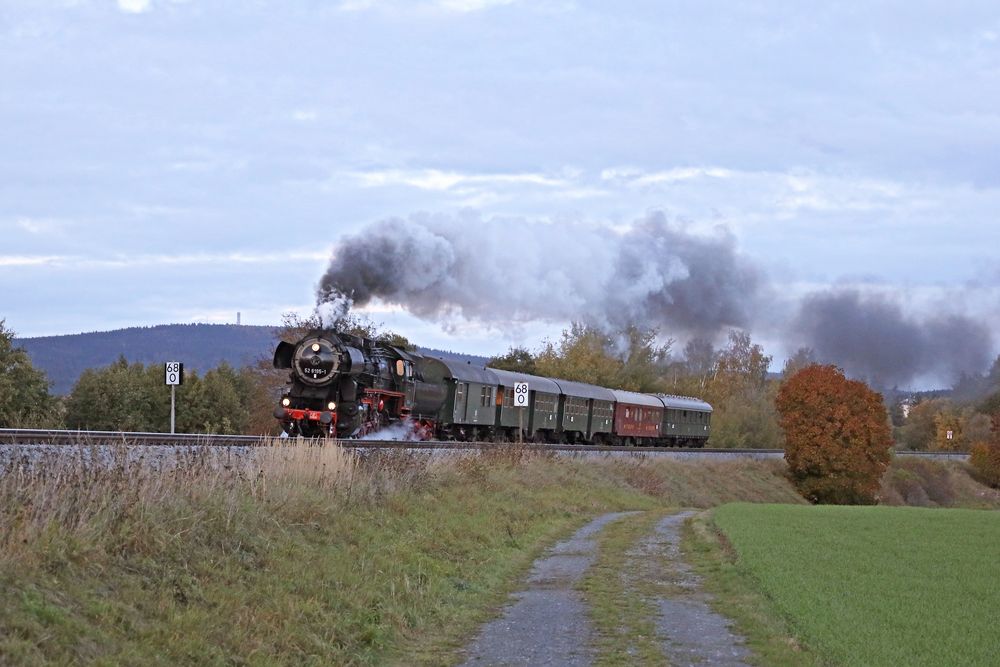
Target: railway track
x,y
29,437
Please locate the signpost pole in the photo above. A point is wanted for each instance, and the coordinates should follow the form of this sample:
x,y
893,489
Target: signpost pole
x,y
520,402
173,375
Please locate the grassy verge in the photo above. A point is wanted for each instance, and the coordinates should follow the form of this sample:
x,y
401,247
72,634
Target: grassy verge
x,y
868,585
922,483
620,599
300,554
737,596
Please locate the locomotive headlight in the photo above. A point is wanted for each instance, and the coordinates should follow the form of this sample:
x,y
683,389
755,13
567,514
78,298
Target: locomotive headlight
x,y
331,406
286,401
315,347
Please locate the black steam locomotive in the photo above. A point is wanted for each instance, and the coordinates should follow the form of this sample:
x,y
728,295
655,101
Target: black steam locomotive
x,y
345,386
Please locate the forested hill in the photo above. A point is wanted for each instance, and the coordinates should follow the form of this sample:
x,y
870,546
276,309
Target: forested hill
x,y
199,346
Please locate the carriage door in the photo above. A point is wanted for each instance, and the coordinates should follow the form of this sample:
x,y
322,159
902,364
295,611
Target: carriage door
x,y
461,391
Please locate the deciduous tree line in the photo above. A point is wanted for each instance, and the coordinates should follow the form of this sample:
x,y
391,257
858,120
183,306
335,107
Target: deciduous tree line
x,y
794,411
132,397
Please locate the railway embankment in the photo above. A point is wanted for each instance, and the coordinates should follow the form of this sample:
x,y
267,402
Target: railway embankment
x,y
306,554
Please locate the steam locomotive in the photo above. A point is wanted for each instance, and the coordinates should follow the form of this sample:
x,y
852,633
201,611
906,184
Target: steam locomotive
x,y
346,386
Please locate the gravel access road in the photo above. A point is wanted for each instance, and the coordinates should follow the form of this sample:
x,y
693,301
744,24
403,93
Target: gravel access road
x,y
547,623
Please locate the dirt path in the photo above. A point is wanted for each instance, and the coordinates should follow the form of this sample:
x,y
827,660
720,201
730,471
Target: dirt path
x,y
547,623
690,632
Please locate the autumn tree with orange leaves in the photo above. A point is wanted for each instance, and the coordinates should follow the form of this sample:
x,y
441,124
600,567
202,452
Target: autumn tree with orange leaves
x,y
985,456
837,436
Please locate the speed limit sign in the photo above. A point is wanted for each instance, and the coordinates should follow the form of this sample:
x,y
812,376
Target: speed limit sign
x,y
520,394
173,372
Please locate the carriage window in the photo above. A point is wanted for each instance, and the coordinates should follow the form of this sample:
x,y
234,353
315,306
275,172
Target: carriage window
x,y
545,402
486,397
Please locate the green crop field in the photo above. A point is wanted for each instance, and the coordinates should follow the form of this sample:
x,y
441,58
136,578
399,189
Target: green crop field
x,y
877,585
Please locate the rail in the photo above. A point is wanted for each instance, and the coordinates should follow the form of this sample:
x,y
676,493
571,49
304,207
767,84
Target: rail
x,y
15,437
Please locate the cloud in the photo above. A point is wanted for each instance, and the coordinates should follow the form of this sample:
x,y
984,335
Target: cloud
x,y
466,6
455,6
10,261
474,189
75,262
434,179
356,5
305,115
637,178
134,6
40,226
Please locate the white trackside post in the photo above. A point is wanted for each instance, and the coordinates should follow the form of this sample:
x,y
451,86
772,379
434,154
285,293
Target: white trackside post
x,y
520,402
173,375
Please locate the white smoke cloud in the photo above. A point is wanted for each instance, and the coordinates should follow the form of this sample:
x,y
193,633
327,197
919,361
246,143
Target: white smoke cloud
x,y
497,271
506,272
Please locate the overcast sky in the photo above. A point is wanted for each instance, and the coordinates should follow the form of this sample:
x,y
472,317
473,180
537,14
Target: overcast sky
x,y
171,161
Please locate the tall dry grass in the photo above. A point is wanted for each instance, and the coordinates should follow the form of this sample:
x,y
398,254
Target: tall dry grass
x,y
89,490
89,493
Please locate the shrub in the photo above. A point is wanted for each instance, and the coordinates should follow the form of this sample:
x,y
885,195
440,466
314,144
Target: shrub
x,y
918,483
837,436
985,457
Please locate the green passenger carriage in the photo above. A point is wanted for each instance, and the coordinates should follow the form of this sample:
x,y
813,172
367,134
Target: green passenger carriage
x,y
540,419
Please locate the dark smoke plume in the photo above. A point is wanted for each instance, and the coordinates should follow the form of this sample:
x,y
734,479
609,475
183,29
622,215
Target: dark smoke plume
x,y
655,273
652,273
870,337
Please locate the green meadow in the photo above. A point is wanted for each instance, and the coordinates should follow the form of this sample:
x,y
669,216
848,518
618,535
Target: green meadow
x,y
874,585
